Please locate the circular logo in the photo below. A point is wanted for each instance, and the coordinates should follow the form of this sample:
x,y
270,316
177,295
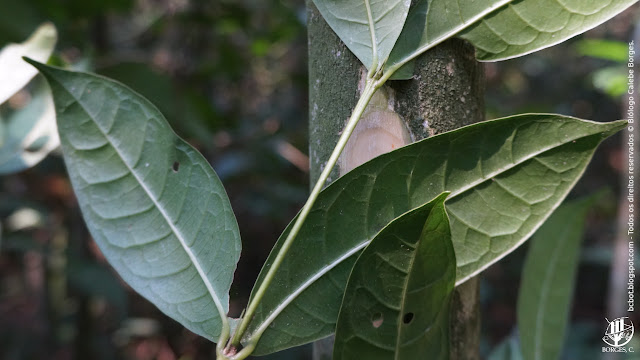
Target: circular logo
x,y
619,332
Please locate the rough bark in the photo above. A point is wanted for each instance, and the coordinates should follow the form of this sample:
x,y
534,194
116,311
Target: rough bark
x,y
446,92
333,90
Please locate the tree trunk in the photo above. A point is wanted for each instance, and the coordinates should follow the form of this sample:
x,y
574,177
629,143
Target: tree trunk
x,y
446,92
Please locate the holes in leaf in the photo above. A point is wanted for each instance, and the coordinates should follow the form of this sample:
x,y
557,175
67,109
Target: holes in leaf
x,y
377,319
176,166
407,318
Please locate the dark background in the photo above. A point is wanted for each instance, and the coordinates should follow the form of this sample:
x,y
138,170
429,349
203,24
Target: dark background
x,y
230,76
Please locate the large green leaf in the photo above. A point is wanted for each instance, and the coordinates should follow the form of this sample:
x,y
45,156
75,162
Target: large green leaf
x,y
15,73
505,177
547,281
30,132
530,25
396,303
499,29
367,27
152,203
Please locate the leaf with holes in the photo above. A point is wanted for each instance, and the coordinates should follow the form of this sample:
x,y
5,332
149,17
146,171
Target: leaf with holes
x,y
547,286
396,303
499,29
30,132
152,203
15,73
369,28
505,176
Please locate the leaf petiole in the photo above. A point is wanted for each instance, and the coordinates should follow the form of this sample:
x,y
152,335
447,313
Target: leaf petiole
x,y
372,85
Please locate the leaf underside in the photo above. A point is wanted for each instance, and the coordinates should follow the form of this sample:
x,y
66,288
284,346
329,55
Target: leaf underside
x,y
432,21
498,29
350,21
505,177
526,26
152,203
547,286
396,303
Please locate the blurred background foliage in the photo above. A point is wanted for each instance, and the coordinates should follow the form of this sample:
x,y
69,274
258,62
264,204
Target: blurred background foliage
x,y
230,76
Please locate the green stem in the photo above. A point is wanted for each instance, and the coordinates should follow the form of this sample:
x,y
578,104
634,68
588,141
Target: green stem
x,y
371,86
224,336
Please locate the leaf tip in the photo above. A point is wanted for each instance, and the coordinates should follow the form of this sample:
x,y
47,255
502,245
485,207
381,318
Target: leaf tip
x,y
443,196
44,69
34,63
615,127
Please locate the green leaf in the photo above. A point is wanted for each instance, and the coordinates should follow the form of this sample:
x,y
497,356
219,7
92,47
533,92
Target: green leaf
x,y
367,27
617,51
526,26
30,132
499,29
612,80
548,280
15,73
509,349
396,304
431,22
505,176
152,203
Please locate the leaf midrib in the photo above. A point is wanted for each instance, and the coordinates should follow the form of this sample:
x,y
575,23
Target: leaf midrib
x,y
405,288
372,32
508,167
542,304
274,314
449,34
166,217
289,299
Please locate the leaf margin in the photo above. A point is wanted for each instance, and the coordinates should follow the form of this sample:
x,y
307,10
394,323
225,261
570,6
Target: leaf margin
x,y
226,323
612,127
430,210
